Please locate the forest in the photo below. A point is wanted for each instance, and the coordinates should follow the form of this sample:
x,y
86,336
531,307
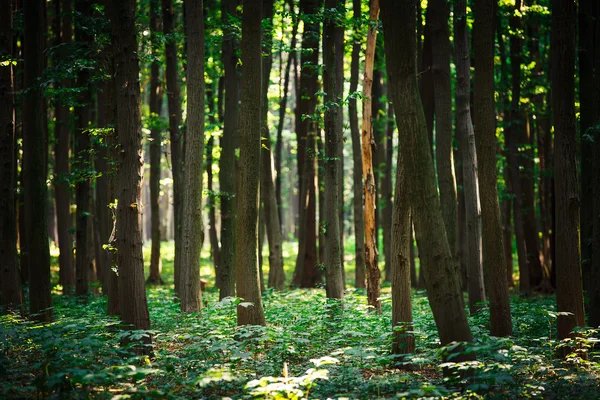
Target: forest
x,y
293,199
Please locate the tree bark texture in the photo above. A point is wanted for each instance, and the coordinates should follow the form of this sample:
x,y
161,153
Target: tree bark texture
x,y
359,216
35,147
250,311
485,141
440,272
466,137
569,291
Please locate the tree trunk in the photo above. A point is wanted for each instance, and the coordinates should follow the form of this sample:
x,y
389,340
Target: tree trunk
x,y
35,147
438,265
466,136
175,134
128,229
10,281
440,68
387,189
212,217
250,311
333,34
271,210
359,216
485,141
507,229
426,79
228,145
369,185
569,292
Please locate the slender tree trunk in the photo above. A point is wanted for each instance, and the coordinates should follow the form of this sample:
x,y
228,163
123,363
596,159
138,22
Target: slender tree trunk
x,y
212,217
128,229
387,189
426,79
193,233
34,164
359,216
10,281
507,230
369,185
250,311
442,281
333,33
569,292
228,145
485,141
175,133
155,105
466,135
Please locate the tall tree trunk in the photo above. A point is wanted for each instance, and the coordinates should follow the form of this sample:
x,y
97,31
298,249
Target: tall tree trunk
x,y
369,185
507,229
306,273
250,311
83,161
267,186
426,78
333,35
387,189
128,228
438,265
212,217
62,190
155,105
35,148
569,292
359,216
485,141
193,233
228,145
466,136
440,68
175,133
10,281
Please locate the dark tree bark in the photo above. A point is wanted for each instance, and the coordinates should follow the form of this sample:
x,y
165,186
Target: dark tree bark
x,y
485,141
62,191
193,233
212,217
155,105
250,311
438,265
425,76
466,136
333,34
10,281
569,292
359,216
228,145
35,148
267,186
507,230
175,133
440,68
128,239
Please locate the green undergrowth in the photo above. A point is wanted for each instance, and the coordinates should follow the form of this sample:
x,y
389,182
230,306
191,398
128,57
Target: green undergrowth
x,y
324,354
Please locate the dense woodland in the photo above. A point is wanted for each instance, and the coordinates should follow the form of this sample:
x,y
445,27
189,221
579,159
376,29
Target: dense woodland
x,y
299,198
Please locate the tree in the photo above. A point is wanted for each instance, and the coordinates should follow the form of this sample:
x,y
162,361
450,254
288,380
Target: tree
x,y
569,292
10,280
175,134
228,145
485,142
128,229
441,278
466,137
359,216
34,163
369,185
250,311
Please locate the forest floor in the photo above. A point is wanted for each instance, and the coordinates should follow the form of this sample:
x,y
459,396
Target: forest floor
x,y
303,352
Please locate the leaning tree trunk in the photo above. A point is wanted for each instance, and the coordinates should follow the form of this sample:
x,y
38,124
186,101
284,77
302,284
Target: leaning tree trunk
x,y
34,164
10,281
569,292
250,311
369,185
466,136
359,216
441,278
485,141
128,227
